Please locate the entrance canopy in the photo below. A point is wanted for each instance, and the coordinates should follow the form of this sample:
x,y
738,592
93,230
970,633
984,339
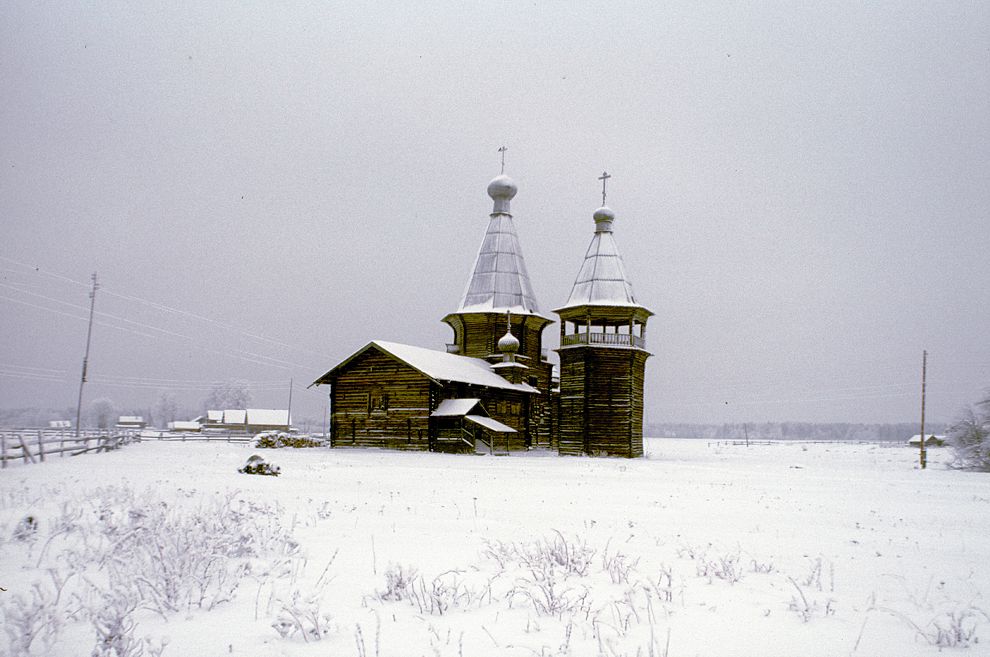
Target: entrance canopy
x,y
490,424
470,409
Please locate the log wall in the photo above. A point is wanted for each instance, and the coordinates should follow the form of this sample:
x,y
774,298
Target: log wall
x,y
601,401
377,401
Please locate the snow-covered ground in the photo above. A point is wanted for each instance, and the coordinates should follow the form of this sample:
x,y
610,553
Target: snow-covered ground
x,y
698,549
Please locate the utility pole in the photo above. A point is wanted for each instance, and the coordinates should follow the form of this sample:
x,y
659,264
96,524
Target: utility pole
x,y
924,371
89,335
288,413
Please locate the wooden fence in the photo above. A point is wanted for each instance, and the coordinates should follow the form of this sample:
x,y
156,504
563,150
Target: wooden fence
x,y
36,445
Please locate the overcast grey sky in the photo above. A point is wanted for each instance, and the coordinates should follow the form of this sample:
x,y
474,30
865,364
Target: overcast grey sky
x,y
800,189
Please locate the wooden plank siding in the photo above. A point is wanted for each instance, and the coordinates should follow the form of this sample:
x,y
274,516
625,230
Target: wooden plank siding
x,y
373,377
477,335
601,401
379,401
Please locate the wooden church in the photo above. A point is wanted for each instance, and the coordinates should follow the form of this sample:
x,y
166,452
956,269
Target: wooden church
x,y
493,390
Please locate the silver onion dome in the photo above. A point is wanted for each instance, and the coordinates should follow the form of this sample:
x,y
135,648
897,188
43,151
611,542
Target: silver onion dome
x,y
604,217
502,189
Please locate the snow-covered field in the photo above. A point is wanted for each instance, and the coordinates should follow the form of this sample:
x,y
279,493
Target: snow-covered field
x,y
699,549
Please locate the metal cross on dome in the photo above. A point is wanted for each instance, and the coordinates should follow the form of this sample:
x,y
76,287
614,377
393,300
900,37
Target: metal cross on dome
x,y
502,151
604,178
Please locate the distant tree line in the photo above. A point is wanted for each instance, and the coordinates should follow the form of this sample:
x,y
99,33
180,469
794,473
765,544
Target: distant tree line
x,y
792,431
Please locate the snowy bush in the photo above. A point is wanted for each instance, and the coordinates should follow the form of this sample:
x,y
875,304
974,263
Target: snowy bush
x,y
303,614
115,627
35,619
969,437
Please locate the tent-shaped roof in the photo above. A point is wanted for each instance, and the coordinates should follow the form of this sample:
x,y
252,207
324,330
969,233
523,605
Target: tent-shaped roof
x,y
499,281
602,279
438,365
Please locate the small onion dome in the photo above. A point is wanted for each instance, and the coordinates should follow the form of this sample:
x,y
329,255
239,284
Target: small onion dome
x,y
603,220
502,189
508,344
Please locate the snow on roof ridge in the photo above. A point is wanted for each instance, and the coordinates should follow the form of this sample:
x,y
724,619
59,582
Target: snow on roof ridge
x,y
443,366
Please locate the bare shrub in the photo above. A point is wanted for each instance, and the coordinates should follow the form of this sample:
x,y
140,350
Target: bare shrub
x,y
725,567
303,614
399,581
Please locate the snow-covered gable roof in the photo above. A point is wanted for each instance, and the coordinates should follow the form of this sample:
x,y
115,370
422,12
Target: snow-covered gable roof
x,y
455,407
268,416
184,425
439,366
234,416
130,419
214,416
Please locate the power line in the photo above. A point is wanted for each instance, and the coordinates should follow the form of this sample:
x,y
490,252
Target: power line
x,y
259,359
162,307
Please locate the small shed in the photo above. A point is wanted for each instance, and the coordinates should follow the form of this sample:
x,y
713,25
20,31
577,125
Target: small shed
x,y
131,422
931,440
184,426
267,419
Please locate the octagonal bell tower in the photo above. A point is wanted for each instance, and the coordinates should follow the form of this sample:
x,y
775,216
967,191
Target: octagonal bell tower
x,y
602,353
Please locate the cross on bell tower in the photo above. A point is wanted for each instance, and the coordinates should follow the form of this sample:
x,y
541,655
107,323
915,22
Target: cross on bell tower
x,y
604,178
502,151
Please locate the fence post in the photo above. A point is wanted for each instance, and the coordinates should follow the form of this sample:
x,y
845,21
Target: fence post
x,y
61,444
3,449
41,447
24,448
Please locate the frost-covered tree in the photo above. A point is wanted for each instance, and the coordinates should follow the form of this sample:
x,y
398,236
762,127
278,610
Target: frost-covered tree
x,y
970,437
166,410
229,394
102,413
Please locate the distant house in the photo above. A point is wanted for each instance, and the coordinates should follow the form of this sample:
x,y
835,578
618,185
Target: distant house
x,y
214,419
180,426
251,420
234,418
931,440
267,419
131,422
60,424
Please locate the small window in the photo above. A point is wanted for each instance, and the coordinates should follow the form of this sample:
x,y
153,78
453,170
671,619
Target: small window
x,y
377,401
